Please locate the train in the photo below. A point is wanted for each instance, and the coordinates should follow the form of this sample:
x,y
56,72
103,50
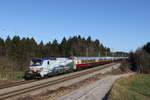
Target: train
x,y
49,66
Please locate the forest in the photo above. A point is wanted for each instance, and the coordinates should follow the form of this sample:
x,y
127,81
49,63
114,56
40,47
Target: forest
x,y
140,59
16,52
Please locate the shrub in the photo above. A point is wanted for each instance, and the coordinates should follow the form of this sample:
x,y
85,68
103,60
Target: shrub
x,y
140,61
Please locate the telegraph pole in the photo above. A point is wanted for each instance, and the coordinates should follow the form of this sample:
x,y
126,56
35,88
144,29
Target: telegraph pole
x,y
112,52
99,53
87,52
106,53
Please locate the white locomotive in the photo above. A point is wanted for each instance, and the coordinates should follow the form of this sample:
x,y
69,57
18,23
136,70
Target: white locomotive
x,y
43,67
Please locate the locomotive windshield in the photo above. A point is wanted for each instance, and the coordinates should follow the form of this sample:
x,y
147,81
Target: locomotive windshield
x,y
36,62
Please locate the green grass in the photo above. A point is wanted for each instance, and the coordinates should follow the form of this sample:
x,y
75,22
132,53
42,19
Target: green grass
x,y
19,75
136,87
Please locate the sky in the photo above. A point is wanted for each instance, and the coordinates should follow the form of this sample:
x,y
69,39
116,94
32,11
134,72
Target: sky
x,y
122,25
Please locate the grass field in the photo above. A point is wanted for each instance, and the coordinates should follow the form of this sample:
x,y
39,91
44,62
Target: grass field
x,y
135,87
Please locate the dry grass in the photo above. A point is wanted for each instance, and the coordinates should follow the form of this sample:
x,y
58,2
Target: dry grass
x,y
135,87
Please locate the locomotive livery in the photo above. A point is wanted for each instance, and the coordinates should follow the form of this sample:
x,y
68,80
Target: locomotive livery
x,y
44,67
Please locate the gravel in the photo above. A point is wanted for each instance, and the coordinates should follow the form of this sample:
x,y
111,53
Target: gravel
x,y
94,91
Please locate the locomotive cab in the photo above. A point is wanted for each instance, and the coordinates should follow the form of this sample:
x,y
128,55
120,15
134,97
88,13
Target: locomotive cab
x,y
38,68
44,67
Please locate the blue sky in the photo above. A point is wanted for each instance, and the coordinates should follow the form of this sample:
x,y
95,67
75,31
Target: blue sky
x,y
118,24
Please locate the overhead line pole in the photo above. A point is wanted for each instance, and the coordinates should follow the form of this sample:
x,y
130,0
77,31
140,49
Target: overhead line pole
x,y
87,52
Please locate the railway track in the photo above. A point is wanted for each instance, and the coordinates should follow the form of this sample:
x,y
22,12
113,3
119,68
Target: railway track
x,y
15,84
49,83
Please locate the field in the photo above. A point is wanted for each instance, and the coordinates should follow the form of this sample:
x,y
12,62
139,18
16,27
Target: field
x,y
135,87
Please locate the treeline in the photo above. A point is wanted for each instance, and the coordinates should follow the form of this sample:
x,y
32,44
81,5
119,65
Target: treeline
x,y
21,50
140,60
120,54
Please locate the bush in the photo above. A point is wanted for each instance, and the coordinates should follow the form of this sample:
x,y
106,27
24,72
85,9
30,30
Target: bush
x,y
133,59
144,62
125,66
140,61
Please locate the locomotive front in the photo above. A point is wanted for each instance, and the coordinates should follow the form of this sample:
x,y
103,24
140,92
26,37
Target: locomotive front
x,y
36,69
45,67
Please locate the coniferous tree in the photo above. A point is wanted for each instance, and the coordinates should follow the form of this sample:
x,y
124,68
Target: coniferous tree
x,y
2,47
15,47
48,49
63,47
8,44
23,50
147,47
55,48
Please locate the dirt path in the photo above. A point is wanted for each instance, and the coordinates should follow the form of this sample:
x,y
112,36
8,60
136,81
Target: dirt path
x,y
94,91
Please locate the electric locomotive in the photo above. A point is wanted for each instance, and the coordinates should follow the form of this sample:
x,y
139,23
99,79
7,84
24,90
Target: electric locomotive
x,y
44,67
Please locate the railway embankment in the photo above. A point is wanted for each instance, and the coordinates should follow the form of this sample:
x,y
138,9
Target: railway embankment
x,y
51,84
72,85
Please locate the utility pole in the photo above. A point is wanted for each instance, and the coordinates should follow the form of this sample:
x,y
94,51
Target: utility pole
x,y
87,52
99,53
112,52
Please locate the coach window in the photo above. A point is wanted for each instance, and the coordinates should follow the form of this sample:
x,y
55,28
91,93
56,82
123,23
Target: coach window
x,y
47,62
